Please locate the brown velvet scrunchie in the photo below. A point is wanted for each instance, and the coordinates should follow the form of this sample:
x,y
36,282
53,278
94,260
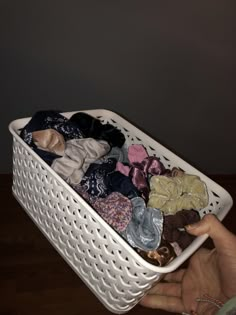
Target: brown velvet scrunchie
x,y
173,227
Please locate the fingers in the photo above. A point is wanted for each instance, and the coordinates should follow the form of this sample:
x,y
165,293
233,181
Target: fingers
x,y
169,289
167,303
215,229
165,295
176,276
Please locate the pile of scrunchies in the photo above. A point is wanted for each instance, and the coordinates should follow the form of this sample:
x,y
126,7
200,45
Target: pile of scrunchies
x,y
147,204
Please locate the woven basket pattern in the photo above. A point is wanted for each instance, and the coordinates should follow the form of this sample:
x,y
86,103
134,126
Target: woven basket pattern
x,y
113,271
106,268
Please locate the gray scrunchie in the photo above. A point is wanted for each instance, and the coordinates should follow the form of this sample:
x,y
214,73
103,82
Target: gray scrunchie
x,y
144,231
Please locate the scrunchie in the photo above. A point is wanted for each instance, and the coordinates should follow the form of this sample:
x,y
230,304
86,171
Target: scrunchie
x,y
145,228
172,194
173,227
92,128
162,256
79,154
118,182
141,165
115,209
49,140
50,119
101,180
94,180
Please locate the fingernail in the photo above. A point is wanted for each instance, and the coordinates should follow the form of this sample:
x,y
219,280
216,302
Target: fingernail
x,y
188,227
191,226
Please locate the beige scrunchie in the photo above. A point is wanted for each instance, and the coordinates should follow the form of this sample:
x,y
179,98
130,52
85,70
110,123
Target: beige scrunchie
x,y
49,140
79,154
172,194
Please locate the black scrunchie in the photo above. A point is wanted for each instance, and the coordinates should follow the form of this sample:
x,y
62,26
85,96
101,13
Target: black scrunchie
x,y
92,128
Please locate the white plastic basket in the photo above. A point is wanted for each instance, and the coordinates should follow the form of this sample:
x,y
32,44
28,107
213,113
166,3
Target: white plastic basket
x,y
112,269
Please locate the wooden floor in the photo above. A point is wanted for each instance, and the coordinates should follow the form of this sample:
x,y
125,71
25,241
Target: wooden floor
x,y
35,280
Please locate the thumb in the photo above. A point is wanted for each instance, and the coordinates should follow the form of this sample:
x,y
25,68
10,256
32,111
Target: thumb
x,y
222,238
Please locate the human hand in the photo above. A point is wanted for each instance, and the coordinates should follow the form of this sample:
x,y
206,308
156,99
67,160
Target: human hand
x,y
211,272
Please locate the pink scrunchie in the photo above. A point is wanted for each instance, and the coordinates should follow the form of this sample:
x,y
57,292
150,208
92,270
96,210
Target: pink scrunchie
x,y
140,166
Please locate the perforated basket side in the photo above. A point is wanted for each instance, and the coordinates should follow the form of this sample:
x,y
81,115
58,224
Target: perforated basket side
x,y
106,267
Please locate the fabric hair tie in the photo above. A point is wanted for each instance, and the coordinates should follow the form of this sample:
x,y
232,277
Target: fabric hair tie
x,y
119,154
49,119
145,228
115,209
162,256
141,165
79,154
173,227
94,180
116,181
49,140
172,194
92,128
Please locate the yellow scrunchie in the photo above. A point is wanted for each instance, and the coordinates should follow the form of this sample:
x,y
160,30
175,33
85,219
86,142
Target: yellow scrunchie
x,y
172,194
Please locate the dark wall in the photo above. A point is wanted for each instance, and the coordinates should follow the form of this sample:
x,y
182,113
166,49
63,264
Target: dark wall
x,y
168,66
